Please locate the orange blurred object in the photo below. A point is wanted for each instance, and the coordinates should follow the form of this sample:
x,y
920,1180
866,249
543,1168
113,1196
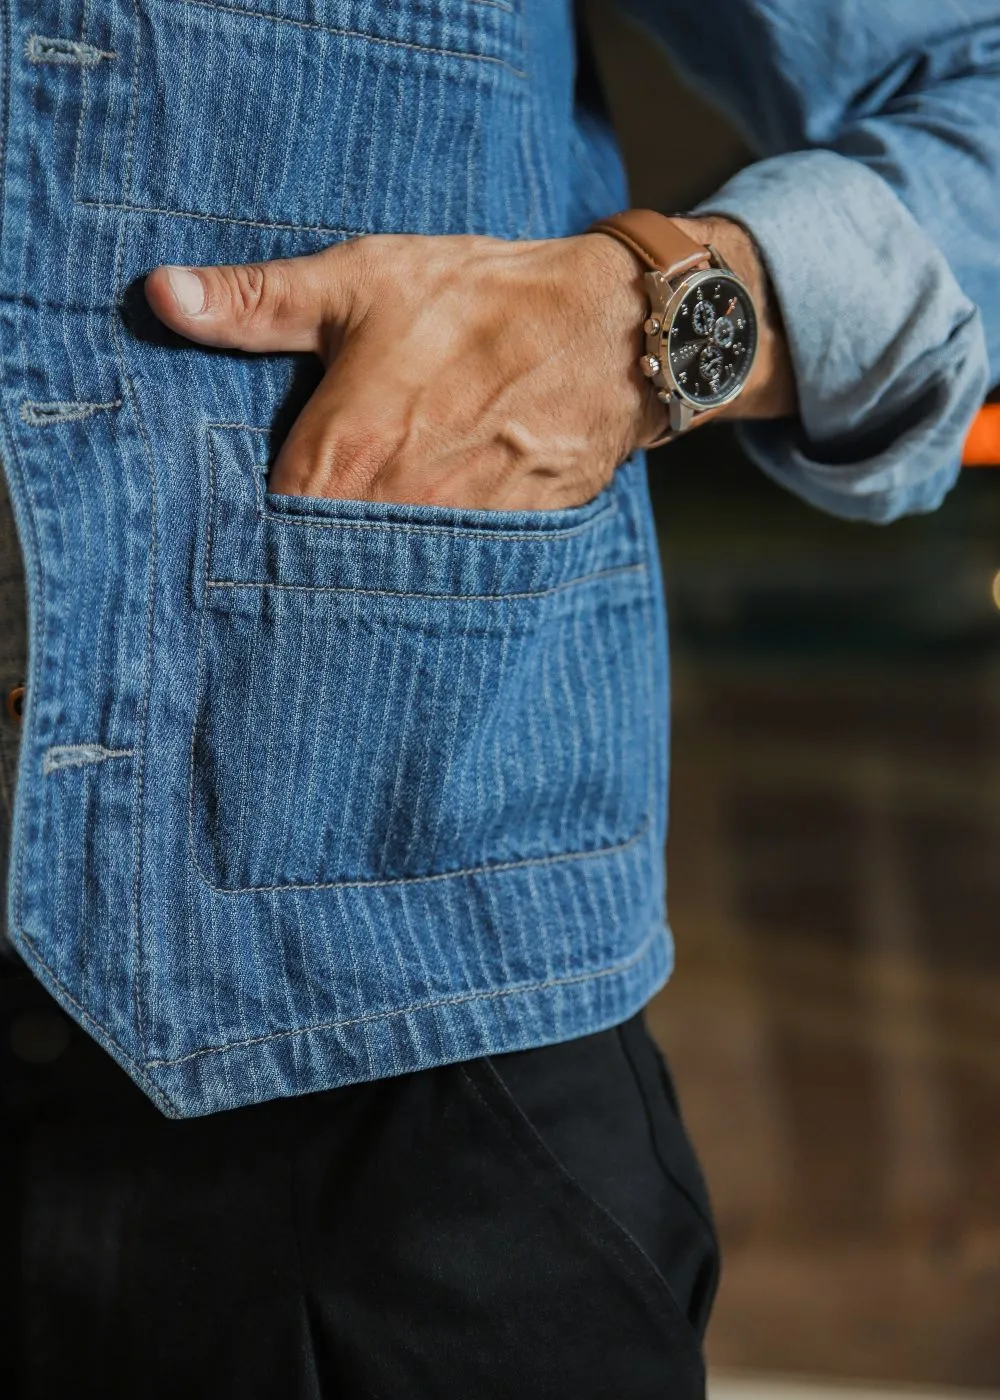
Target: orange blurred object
x,y
982,446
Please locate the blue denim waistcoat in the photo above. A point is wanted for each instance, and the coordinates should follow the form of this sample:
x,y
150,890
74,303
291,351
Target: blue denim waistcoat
x,y
310,791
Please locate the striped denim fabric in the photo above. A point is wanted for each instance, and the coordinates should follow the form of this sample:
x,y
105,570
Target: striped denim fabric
x,y
310,792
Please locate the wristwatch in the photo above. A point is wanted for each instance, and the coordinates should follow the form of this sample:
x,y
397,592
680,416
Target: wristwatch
x,y
701,332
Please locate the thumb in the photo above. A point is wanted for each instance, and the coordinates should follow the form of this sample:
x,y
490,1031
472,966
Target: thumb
x,y
286,304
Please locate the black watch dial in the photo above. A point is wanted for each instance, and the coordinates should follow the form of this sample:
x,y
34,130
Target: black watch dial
x,y
711,341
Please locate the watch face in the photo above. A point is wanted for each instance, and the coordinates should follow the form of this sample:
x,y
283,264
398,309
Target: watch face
x,y
711,341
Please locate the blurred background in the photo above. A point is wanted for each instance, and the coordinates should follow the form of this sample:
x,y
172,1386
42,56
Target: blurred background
x,y
834,877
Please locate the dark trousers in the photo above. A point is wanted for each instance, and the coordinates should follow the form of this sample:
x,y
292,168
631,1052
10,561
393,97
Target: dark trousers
x,y
529,1225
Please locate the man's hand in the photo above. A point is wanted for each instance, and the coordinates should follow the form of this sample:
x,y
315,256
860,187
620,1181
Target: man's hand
x,y
460,371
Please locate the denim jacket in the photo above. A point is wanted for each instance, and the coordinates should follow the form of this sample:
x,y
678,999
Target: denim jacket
x,y
311,791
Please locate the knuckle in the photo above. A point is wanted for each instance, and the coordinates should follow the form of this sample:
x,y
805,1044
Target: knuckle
x,y
253,289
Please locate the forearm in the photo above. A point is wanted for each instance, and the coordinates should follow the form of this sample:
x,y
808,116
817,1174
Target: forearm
x,y
886,350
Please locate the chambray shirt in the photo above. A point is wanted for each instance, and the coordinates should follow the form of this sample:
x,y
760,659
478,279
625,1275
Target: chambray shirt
x,y
876,207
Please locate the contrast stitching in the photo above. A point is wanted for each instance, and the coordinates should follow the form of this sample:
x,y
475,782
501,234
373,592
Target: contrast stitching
x,y
492,994
543,535
30,302
78,755
129,208
138,825
84,106
398,881
40,49
349,590
45,415
527,123
361,34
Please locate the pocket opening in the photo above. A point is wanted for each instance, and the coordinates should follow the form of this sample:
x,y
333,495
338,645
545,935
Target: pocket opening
x,y
385,705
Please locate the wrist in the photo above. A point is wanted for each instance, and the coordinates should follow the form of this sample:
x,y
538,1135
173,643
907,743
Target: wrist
x,y
615,277
770,389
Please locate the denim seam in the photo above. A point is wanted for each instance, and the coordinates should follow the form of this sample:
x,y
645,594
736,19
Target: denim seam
x,y
492,994
397,881
526,133
543,535
127,207
575,582
465,55
651,705
114,318
81,118
69,306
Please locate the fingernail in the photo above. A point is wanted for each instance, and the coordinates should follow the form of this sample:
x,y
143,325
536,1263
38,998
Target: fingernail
x,y
188,290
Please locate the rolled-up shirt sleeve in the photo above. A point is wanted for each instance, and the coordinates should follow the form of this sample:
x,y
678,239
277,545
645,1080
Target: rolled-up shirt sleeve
x,y
888,352
876,208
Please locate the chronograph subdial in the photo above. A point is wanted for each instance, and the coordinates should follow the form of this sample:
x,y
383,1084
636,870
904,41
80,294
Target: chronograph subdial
x,y
711,365
703,317
724,332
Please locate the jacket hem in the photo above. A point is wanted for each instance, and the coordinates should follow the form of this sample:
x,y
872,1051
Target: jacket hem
x,y
383,1045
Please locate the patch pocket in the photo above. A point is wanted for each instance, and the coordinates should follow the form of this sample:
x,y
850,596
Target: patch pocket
x,y
391,693
339,116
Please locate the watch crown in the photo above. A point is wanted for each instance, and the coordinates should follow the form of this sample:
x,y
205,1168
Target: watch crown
x,y
663,395
649,365
652,326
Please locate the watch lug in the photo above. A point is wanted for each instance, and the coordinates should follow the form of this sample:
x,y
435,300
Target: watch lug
x,y
718,260
681,414
658,290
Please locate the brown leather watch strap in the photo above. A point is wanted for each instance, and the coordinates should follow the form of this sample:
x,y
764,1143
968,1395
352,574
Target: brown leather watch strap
x,y
654,238
663,247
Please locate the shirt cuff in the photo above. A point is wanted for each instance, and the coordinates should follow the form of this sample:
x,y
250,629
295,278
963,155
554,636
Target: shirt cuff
x,y
888,353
